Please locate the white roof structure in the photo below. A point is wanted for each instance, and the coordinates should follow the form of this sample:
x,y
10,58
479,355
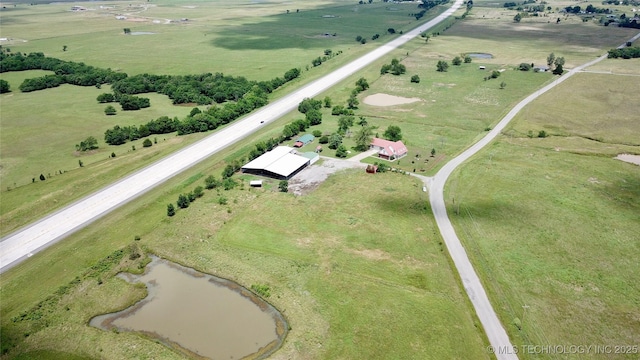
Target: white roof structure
x,y
279,163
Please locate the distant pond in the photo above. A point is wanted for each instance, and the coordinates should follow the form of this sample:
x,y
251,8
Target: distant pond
x,y
199,314
480,55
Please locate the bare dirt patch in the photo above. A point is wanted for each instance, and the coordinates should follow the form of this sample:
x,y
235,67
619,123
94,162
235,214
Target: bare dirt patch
x,y
388,100
634,159
311,177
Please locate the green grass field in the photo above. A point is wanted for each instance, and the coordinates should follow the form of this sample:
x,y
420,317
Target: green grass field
x,y
553,222
68,114
357,266
377,259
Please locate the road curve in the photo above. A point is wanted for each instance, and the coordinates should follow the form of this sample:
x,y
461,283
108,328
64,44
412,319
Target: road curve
x,y
496,334
23,243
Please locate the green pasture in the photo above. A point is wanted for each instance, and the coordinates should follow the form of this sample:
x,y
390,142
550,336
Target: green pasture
x,y
492,30
67,115
357,266
243,38
551,223
371,278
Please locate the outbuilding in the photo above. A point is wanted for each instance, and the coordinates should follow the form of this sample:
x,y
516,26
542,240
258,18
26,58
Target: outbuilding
x,y
304,140
280,163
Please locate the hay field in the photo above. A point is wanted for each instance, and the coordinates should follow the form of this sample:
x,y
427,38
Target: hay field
x,y
554,221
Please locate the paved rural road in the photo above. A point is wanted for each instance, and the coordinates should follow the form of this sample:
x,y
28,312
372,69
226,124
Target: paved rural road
x,y
498,338
35,237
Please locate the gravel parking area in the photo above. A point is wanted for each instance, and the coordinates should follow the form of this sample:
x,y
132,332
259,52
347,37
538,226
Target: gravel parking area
x,y
310,178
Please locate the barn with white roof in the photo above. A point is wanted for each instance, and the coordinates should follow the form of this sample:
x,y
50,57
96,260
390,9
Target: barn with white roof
x,y
280,163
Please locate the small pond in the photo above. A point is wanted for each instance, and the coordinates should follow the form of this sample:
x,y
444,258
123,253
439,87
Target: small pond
x,y
480,55
199,314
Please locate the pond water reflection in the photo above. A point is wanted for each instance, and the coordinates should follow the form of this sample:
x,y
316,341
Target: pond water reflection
x,y
199,314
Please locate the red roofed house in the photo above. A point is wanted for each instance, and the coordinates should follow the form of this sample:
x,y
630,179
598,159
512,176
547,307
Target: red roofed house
x,y
390,150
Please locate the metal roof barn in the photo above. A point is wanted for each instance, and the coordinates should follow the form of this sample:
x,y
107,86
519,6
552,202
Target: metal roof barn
x,y
278,163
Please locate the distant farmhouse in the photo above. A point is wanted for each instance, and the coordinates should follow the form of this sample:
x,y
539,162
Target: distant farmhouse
x,y
280,163
389,150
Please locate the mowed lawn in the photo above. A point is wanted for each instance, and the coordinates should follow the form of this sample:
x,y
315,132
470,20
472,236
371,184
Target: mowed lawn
x,y
356,266
552,224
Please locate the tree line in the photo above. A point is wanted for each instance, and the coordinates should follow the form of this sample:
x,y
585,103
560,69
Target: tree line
x,y
196,121
203,89
65,72
631,52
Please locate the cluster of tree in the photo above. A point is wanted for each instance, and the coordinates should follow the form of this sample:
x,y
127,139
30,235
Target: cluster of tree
x,y
196,121
120,135
457,61
264,146
623,2
87,144
395,68
361,40
419,14
313,116
66,72
512,4
328,54
494,75
525,66
590,9
201,89
631,52
428,4
558,62
626,22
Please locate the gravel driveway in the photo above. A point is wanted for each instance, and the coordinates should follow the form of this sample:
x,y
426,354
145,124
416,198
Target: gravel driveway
x,y
311,177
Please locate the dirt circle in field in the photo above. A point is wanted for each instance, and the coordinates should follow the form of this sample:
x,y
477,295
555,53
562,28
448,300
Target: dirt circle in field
x,y
634,159
388,100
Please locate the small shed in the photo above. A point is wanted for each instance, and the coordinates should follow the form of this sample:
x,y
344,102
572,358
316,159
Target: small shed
x,y
304,140
319,148
481,67
255,183
312,156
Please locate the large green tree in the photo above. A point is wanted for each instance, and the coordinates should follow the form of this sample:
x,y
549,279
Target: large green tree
x,y
334,141
4,86
363,137
393,133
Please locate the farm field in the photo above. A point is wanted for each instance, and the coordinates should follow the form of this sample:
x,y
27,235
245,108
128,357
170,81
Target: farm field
x,y
359,247
377,259
553,222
